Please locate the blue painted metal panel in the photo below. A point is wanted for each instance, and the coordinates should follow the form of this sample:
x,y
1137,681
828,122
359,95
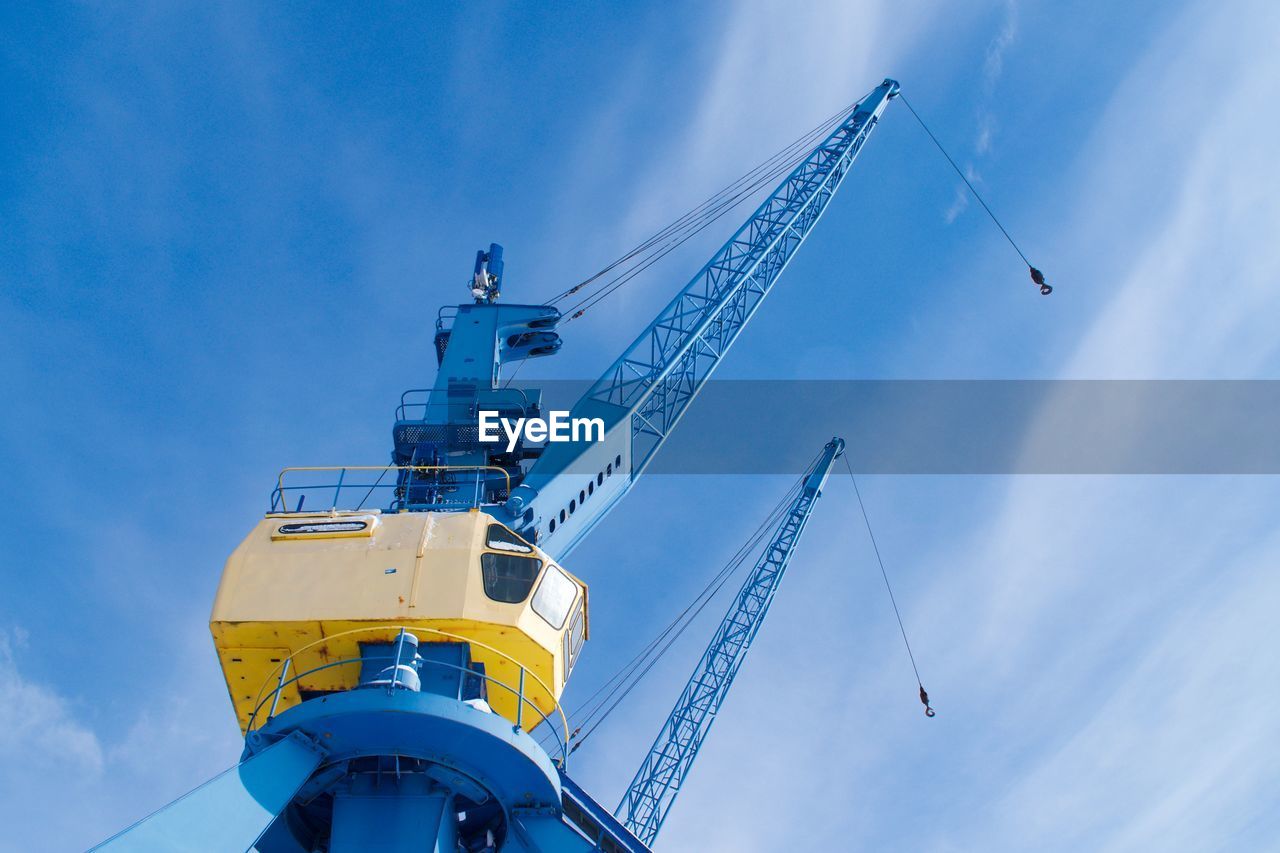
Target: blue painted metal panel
x,y
230,811
594,820
439,427
402,764
393,815
653,791
545,833
428,726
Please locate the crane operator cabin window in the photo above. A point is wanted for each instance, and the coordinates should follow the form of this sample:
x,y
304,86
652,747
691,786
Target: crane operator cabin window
x,y
555,596
499,538
508,578
573,640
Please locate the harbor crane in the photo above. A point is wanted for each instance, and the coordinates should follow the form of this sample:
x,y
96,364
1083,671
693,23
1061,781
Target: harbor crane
x,y
387,665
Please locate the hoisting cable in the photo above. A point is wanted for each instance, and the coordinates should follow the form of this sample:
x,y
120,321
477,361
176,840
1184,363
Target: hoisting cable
x,y
798,151
924,697
688,225
602,712
694,221
677,239
1036,275
700,217
629,675
785,153
708,210
626,676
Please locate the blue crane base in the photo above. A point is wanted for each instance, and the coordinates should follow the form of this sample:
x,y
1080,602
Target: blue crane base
x,y
386,769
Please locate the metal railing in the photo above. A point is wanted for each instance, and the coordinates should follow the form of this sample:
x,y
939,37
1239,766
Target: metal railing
x,y
269,696
453,491
445,317
416,403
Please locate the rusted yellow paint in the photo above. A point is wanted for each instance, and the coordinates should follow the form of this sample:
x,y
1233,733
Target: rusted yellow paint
x,y
299,596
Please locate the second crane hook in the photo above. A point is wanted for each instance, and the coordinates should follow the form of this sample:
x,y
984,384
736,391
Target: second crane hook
x,y
1038,278
924,700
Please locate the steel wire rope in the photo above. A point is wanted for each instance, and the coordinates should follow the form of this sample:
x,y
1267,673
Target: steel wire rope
x,y
690,229
623,278
712,588
803,149
601,713
627,674
715,582
696,213
735,565
697,219
1036,275
785,153
716,579
367,494
924,697
719,204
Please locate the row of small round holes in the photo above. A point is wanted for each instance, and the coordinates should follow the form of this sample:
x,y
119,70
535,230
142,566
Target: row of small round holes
x,y
587,492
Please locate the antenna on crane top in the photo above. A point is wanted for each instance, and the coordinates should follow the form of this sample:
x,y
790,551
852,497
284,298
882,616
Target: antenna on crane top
x,y
486,280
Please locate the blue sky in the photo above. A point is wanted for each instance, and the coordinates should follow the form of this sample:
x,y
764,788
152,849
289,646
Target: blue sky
x,y
226,233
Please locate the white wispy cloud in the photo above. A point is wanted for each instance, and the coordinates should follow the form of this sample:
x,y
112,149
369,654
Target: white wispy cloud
x,y
993,64
992,69
1171,750
1097,646
53,752
1160,748
775,67
37,724
960,203
1189,263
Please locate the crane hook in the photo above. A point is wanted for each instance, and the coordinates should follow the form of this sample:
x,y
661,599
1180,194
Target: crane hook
x,y
924,700
1038,278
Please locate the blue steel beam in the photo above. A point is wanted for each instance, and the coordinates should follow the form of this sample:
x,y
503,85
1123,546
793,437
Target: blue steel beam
x,y
230,811
645,392
653,791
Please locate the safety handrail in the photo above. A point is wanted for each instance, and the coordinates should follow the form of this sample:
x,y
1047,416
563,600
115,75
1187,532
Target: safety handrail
x,y
283,680
445,316
278,503
408,405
